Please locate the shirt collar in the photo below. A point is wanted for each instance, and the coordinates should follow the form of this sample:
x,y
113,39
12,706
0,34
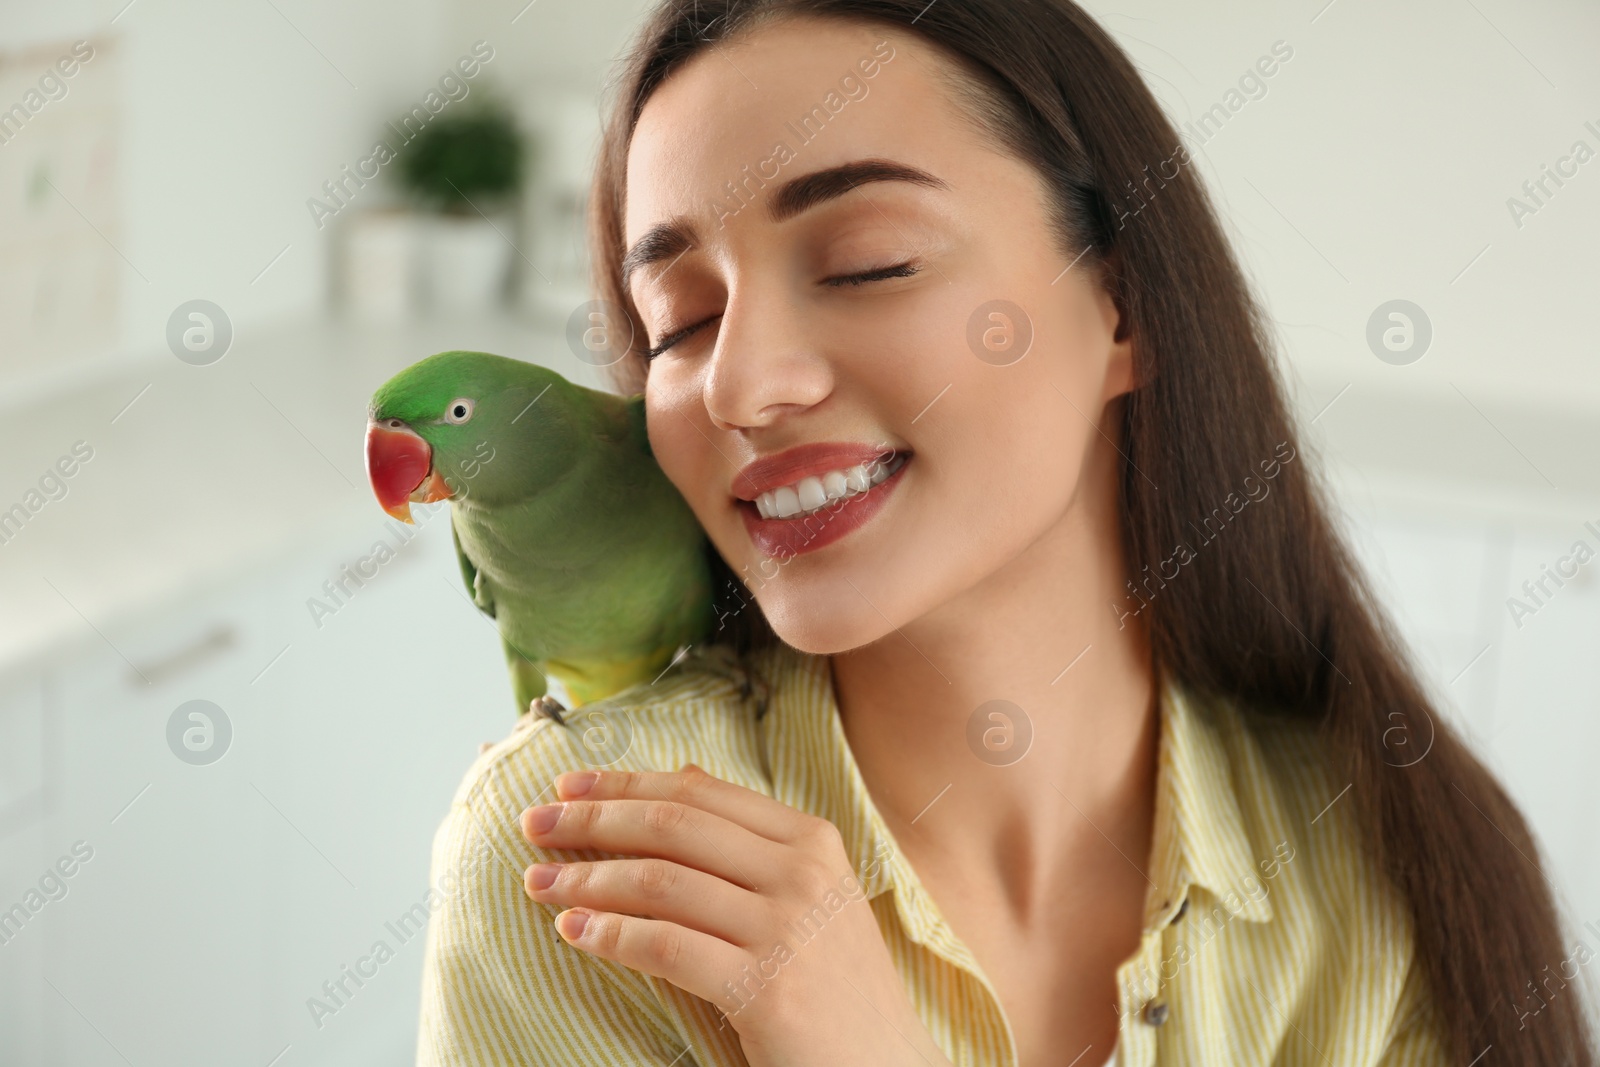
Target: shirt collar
x,y
1199,835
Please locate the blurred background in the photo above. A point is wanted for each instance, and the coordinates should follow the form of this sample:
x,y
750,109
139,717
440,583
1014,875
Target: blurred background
x,y
223,225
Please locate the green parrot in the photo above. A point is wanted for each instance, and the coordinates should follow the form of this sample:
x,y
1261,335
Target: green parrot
x,y
569,535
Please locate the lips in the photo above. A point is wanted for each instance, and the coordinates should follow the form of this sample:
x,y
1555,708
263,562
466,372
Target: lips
x,y
783,539
791,465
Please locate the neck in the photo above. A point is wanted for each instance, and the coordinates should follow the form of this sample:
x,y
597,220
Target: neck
x,y
1041,635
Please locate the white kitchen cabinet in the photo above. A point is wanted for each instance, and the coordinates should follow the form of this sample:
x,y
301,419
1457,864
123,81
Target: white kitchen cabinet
x,y
220,897
22,993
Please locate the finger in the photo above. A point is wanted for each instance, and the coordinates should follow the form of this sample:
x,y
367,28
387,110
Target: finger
x,y
756,812
690,960
662,829
653,889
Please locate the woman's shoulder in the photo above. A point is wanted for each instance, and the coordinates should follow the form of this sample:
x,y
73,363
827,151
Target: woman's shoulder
x,y
1294,802
495,964
704,709
1338,924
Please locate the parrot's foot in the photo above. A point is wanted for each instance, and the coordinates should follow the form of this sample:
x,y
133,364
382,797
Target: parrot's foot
x,y
549,707
721,660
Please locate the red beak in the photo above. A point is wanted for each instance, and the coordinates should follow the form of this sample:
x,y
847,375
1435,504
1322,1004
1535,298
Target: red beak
x,y
400,467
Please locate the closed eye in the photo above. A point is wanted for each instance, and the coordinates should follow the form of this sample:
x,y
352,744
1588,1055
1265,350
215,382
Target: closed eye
x,y
673,338
899,270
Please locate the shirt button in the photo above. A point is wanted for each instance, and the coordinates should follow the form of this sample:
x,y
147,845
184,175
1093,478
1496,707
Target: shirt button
x,y
1155,1013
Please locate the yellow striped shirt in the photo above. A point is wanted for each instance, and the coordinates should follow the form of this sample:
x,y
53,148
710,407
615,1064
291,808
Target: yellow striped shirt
x,y
1268,939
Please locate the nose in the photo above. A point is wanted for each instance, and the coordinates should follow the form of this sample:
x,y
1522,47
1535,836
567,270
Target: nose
x,y
768,360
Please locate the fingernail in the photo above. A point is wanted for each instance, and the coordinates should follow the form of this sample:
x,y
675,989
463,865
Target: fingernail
x,y
542,818
578,783
570,924
543,875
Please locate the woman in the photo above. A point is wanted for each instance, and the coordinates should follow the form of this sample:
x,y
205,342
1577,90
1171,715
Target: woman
x,y
1085,742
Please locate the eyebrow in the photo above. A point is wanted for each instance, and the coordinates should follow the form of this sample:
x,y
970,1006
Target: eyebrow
x,y
673,238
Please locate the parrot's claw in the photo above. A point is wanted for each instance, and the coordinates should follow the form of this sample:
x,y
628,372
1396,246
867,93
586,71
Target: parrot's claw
x,y
549,707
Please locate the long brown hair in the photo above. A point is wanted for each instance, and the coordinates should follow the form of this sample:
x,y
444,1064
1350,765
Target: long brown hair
x,y
1274,614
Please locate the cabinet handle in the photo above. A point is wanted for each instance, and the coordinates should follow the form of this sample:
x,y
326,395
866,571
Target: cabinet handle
x,y
218,638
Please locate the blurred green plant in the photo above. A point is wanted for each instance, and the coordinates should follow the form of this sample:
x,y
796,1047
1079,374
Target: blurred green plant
x,y
474,153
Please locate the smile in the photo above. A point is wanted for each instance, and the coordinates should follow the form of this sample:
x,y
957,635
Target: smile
x,y
814,493
807,529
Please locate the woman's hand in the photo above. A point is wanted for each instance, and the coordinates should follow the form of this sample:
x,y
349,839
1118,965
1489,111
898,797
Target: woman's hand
x,y
737,898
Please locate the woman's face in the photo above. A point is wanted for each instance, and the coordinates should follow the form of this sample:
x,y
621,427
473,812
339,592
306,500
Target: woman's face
x,y
881,308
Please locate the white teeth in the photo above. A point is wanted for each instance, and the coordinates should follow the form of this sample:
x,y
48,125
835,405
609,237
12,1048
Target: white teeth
x,y
811,494
814,492
785,502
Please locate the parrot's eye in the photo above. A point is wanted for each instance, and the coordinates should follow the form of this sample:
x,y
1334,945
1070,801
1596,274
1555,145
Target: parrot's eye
x,y
460,410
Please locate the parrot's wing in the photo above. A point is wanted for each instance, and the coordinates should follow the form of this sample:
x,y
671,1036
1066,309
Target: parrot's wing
x,y
527,680
469,574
